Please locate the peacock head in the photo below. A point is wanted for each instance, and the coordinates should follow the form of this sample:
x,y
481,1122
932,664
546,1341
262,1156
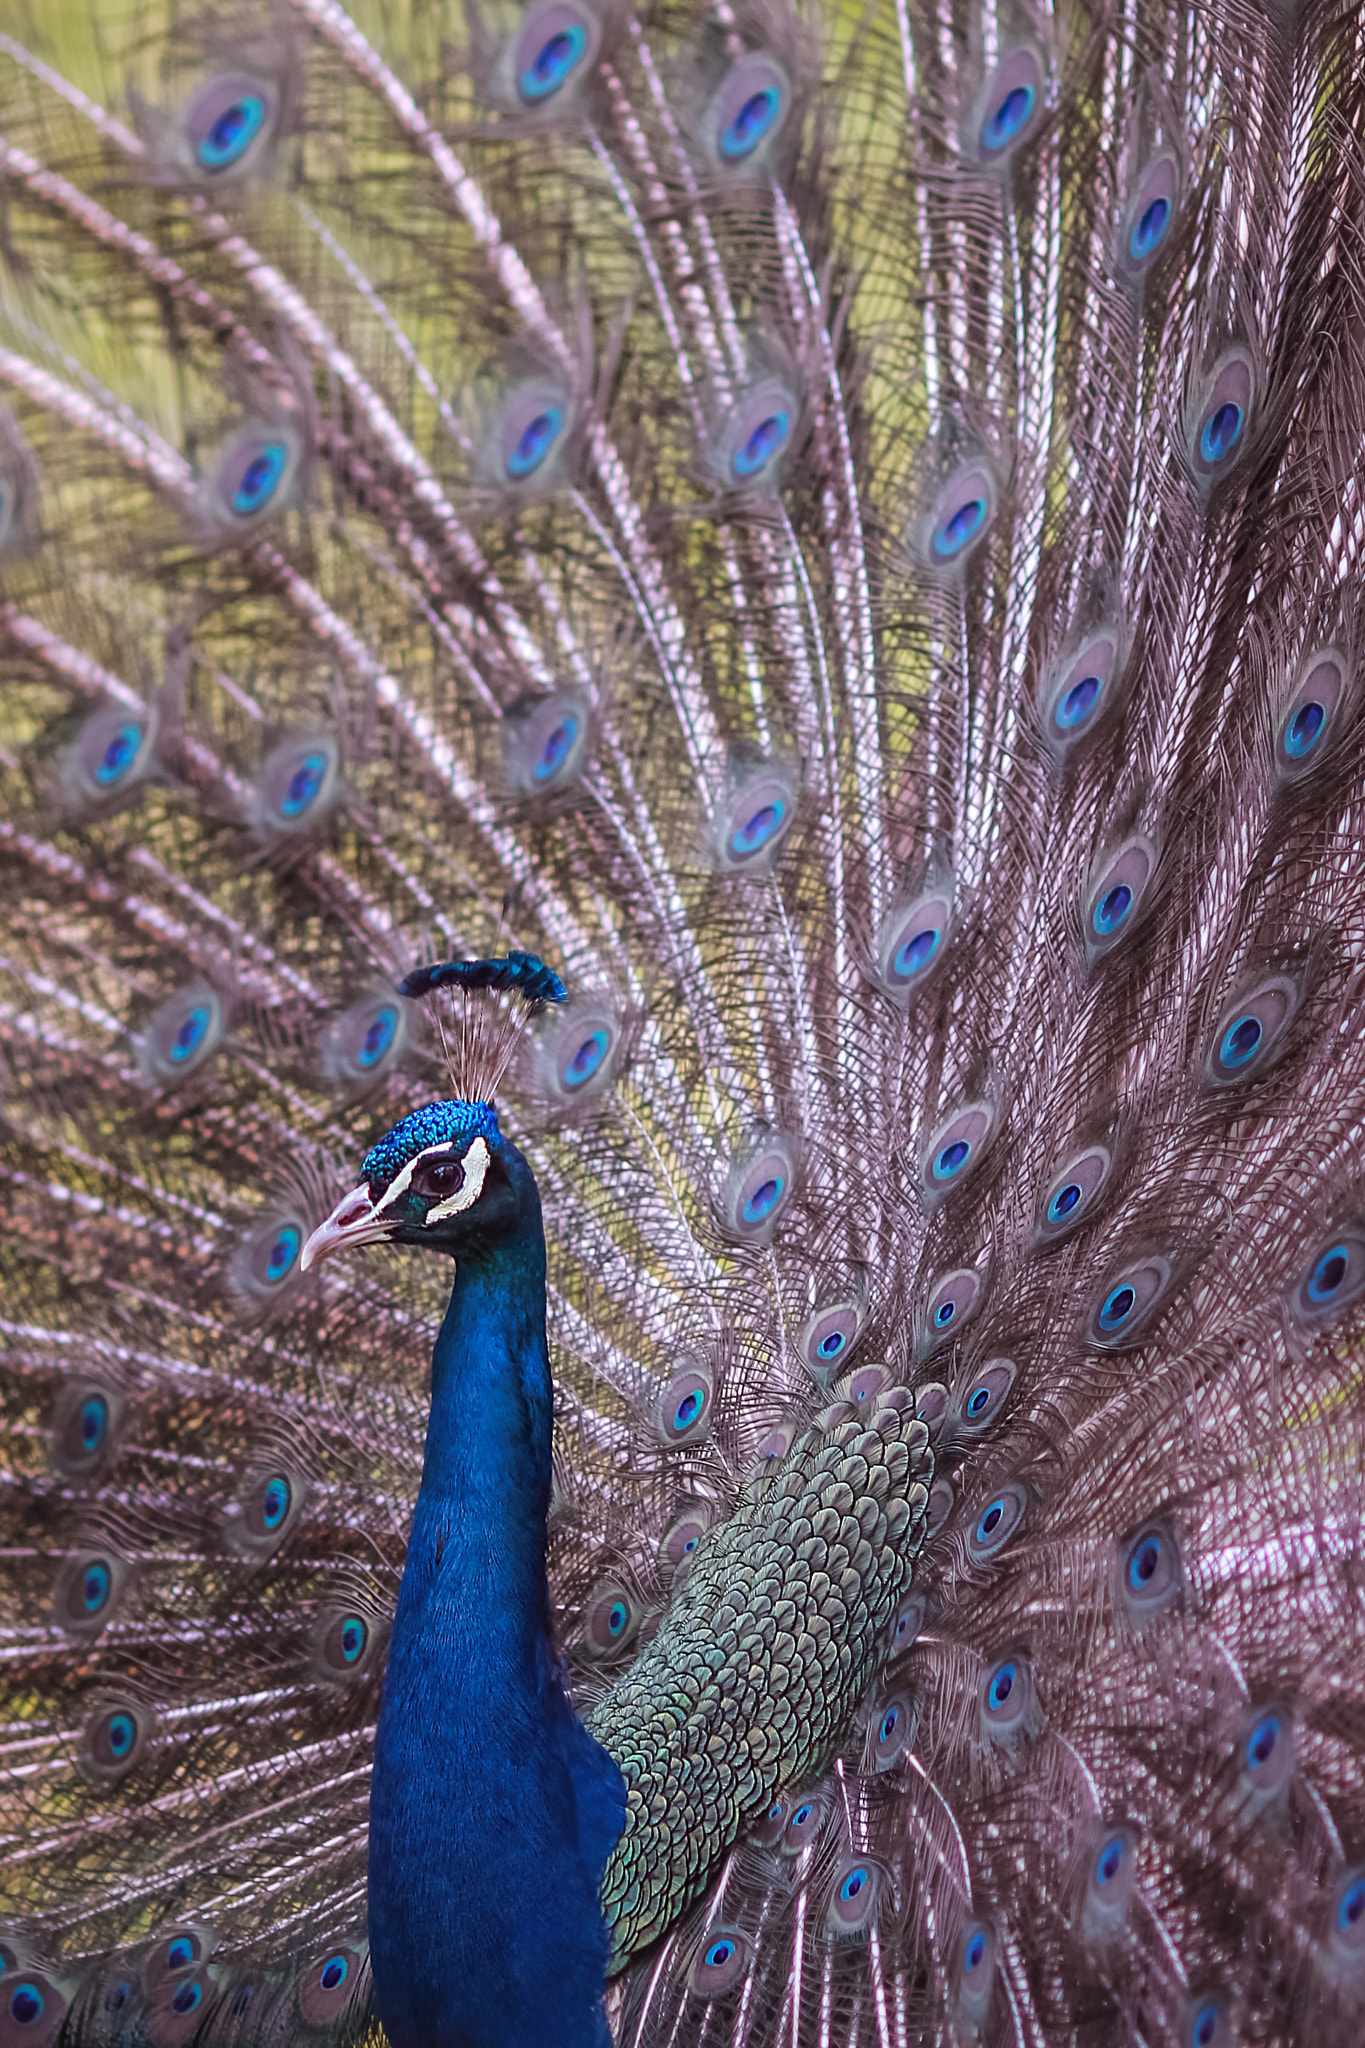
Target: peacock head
x,y
445,1176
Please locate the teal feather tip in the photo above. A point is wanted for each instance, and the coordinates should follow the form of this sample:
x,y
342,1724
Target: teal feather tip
x,y
520,973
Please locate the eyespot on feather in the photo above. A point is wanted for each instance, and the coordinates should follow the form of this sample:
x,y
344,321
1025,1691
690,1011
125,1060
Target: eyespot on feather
x,y
544,743
1006,1698
1221,418
770,1828
298,787
182,1034
683,1415
758,1188
1149,1574
960,517
721,1963
1114,896
252,479
955,1149
754,820
364,1042
976,1970
111,758
890,1730
746,116
177,2009
981,1397
1346,1921
267,1259
553,54
931,1405
997,1521
1206,2022
229,125
575,1052
347,1642
1081,691
116,1738
1332,1278
825,1339
1010,106
805,1819
84,1430
91,1584
1150,213
1252,1030
1130,1302
1306,729
1074,1193
854,1896
953,1300
862,1387
1265,1755
33,2008
682,1538
532,435
261,1517
1110,1882
611,1620
913,941
179,1949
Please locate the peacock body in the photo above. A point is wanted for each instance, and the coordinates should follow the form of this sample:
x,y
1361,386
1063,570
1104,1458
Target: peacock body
x,y
838,535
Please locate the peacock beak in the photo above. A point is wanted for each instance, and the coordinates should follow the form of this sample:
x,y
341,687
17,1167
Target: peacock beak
x,y
352,1222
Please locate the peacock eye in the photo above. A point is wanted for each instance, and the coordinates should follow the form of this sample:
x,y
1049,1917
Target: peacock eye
x,y
439,1178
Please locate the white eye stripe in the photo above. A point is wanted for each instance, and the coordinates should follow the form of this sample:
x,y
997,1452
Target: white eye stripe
x,y
467,1194
475,1167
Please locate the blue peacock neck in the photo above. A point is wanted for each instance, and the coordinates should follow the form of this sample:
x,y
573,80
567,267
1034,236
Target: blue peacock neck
x,y
492,1810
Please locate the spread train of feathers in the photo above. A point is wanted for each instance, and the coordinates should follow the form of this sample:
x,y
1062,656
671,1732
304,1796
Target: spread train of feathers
x,y
839,535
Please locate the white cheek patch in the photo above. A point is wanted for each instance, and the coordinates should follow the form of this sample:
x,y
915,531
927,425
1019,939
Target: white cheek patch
x,y
467,1194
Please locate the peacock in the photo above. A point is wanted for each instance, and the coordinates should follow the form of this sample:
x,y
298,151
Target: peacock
x,y
682,1078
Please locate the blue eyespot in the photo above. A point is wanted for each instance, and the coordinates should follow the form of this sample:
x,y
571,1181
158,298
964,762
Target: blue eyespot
x,y
1112,909
1143,1562
759,829
118,1995
553,63
188,1997
1261,1742
275,1501
1109,1862
260,479
766,441
122,751
1222,431
1204,2031
1001,1686
617,1616
832,1345
990,1521
304,784
94,1421
120,1732
588,1059
1240,1041
801,1815
749,126
762,1201
1351,1906
556,750
1117,1307
944,1314
1000,128
535,442
952,1159
718,1954
1078,702
916,953
354,1636
688,1409
975,1952
961,526
334,1973
179,1953
232,134
1149,229
26,2005
96,1585
690,1545
890,1723
978,1399
378,1038
191,1034
852,1885
1301,733
1328,1273
283,1253
1063,1202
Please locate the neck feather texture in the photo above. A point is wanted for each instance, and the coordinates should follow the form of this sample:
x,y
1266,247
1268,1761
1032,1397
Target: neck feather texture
x,y
492,1811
